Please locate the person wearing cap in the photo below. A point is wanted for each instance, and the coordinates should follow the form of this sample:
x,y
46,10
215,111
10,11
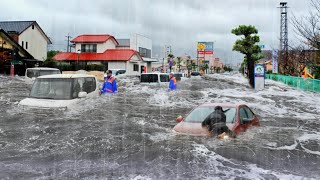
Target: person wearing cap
x,y
172,83
216,123
110,84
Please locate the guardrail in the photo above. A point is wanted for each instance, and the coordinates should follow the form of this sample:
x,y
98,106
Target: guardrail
x,y
297,82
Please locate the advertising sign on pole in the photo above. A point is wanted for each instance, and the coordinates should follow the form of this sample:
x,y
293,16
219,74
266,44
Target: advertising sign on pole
x,y
259,77
205,47
274,61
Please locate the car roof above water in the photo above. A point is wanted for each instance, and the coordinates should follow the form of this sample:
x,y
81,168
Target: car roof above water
x,y
156,73
66,76
220,104
42,68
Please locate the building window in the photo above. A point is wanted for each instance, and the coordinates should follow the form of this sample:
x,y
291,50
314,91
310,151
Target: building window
x,y
22,44
135,67
32,26
26,45
89,48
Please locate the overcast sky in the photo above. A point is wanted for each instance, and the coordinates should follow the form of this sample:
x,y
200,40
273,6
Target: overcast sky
x,y
179,23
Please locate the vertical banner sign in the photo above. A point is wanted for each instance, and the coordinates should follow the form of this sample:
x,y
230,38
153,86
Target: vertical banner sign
x,y
259,77
274,61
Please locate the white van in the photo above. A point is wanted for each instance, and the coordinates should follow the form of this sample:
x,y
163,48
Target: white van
x,y
32,73
155,78
40,71
60,90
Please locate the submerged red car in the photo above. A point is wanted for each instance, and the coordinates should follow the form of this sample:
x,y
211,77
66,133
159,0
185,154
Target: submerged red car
x,y
239,118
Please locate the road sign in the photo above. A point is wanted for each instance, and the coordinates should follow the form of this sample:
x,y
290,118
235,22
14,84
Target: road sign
x,y
259,77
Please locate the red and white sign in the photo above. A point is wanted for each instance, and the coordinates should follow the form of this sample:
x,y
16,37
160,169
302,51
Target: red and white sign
x,y
205,52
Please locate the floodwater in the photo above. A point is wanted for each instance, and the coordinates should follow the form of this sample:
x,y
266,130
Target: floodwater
x,y
128,135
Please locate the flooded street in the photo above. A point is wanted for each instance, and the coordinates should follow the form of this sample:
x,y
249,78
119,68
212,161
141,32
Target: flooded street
x,y
128,135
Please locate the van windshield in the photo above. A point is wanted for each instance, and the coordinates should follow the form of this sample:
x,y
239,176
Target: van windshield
x,y
52,88
37,72
150,78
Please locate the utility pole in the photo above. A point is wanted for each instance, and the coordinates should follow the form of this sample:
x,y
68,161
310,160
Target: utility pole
x,y
68,46
284,35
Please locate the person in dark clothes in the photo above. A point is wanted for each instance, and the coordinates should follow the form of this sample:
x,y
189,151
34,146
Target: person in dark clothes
x,y
216,123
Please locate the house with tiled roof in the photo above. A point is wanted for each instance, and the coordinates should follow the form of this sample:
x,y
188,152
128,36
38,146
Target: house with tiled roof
x,y
13,57
29,35
101,49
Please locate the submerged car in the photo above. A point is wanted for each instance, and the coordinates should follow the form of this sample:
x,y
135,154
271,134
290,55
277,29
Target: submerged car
x,y
239,118
155,78
178,76
195,73
32,73
60,90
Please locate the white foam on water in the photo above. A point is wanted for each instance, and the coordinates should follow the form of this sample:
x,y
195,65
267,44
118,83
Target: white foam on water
x,y
308,137
158,137
250,171
139,177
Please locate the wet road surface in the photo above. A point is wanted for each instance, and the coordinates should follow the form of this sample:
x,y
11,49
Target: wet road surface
x,y
128,135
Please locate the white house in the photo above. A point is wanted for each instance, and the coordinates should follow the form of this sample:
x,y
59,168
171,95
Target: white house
x,y
29,35
101,49
142,44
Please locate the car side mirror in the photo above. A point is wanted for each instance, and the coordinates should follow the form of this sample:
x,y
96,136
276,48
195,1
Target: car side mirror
x,y
82,94
179,119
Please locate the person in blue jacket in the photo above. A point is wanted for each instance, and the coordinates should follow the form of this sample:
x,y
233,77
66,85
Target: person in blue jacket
x,y
110,84
172,83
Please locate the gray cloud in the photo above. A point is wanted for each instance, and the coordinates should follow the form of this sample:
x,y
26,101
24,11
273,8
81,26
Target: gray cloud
x,y
180,23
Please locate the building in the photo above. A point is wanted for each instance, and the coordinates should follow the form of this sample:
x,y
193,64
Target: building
x,y
217,64
13,57
102,49
29,35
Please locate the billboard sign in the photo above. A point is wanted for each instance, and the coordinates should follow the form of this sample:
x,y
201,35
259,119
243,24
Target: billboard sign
x,y
205,47
274,61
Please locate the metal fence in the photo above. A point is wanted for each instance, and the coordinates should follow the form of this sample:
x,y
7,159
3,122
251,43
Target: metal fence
x,y
297,82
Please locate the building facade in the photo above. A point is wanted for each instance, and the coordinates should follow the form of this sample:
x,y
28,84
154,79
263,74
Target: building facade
x,y
29,35
102,49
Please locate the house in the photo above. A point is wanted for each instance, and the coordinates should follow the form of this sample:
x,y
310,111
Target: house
x,y
29,35
142,44
217,63
101,49
13,56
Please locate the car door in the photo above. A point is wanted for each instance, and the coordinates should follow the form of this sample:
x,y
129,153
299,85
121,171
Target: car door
x,y
243,123
246,117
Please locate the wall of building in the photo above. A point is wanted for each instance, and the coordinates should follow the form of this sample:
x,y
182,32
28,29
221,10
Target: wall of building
x,y
109,44
117,64
137,40
37,43
101,47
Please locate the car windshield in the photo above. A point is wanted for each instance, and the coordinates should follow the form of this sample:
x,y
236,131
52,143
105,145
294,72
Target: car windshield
x,y
37,72
200,113
149,78
53,88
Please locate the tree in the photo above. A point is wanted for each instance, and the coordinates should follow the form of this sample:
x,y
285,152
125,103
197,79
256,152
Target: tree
x,y
178,63
248,47
206,67
308,27
218,69
50,62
